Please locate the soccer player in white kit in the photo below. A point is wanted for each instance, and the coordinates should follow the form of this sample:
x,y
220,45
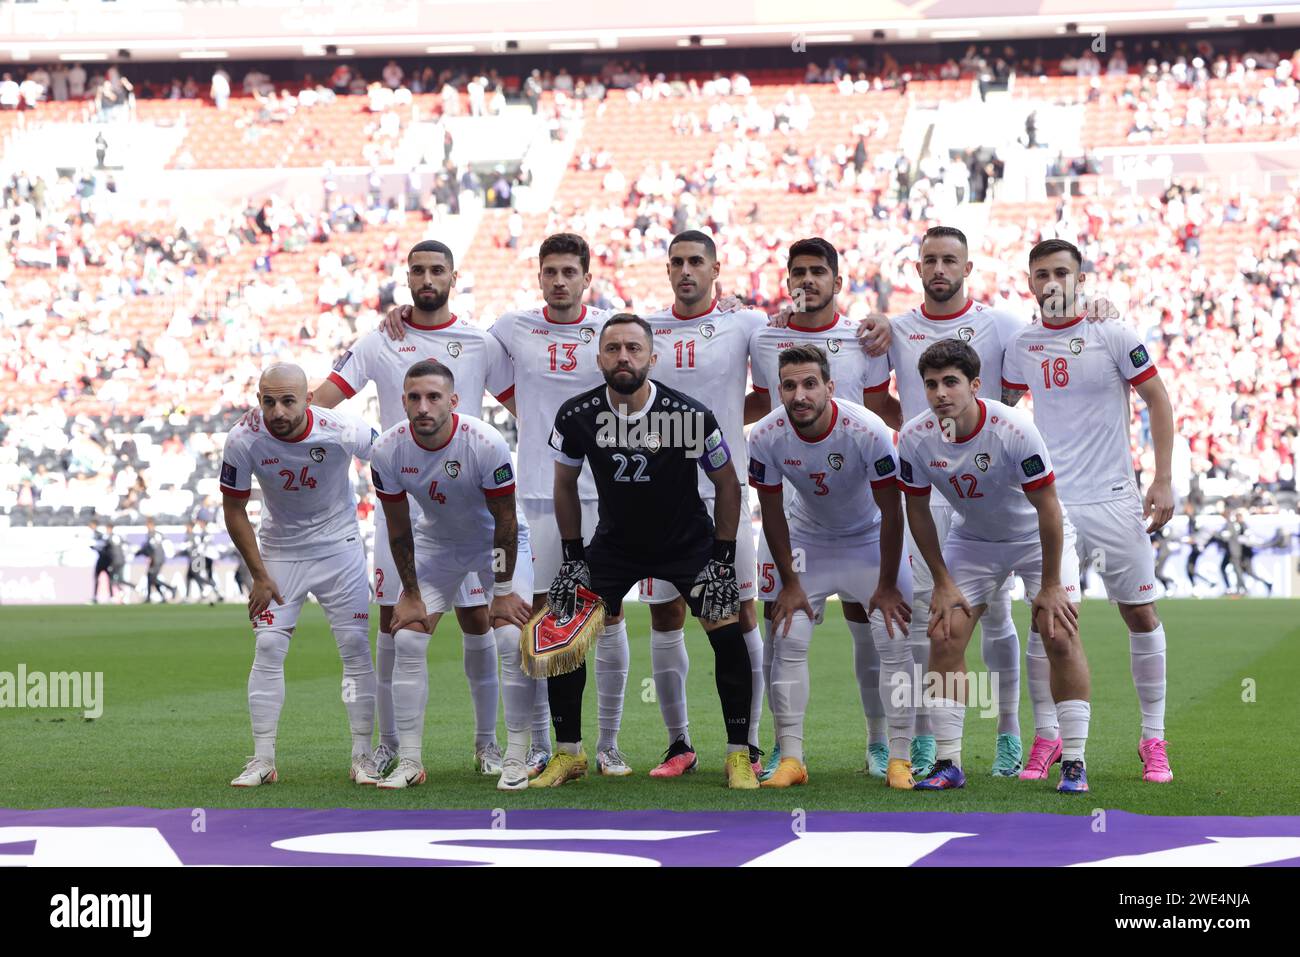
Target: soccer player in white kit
x,y
813,279
1081,372
309,544
479,363
948,312
457,468
846,523
992,466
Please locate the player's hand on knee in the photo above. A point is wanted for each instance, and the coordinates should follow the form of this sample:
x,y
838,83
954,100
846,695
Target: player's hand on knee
x,y
895,610
394,324
716,591
511,609
260,596
562,597
874,334
409,610
792,598
946,604
1051,609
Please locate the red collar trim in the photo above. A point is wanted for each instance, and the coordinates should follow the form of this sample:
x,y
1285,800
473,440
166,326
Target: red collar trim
x,y
835,414
830,325
546,314
713,305
1074,321
956,315
311,421
455,424
978,425
416,325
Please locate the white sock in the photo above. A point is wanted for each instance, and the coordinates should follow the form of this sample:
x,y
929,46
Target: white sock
x,y
920,642
1147,659
866,665
948,717
1040,688
517,692
569,747
1074,715
754,645
768,651
895,687
266,690
358,687
1000,645
612,659
670,664
541,716
790,686
385,653
410,690
481,672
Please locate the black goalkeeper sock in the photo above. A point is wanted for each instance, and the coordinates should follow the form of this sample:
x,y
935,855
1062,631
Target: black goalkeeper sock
x,y
565,694
732,671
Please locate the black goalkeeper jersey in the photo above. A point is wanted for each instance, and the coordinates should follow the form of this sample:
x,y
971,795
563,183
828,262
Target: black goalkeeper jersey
x,y
645,466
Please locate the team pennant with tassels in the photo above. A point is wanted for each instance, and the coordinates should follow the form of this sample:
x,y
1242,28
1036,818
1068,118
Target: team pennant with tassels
x,y
550,646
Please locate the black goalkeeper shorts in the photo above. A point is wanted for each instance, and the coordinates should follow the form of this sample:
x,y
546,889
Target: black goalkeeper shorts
x,y
616,568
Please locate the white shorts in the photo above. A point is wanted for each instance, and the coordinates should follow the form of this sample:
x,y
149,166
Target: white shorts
x,y
981,569
338,581
1114,534
849,568
388,586
545,534
656,591
922,580
448,573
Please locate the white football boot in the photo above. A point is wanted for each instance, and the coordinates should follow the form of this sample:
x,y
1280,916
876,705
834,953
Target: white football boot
x,y
257,771
514,775
364,771
488,759
407,774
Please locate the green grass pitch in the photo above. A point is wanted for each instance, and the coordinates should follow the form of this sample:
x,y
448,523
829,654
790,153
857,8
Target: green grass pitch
x,y
175,729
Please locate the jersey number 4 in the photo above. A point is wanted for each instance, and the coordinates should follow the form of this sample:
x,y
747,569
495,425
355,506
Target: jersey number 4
x,y
303,480
436,495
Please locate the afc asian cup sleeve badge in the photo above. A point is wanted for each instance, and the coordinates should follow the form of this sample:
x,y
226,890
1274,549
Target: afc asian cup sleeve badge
x,y
454,349
317,454
342,361
965,333
453,468
982,461
229,475
905,470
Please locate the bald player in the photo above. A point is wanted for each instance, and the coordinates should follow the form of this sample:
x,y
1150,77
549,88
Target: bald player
x,y
309,544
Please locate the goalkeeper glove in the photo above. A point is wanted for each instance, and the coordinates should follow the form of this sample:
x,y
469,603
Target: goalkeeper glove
x,y
715,587
562,598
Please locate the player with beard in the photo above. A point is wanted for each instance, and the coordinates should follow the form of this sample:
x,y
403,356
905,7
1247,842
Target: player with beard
x,y
949,313
478,363
645,442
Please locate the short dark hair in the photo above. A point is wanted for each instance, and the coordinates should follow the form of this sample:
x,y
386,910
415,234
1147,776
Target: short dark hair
x,y
695,236
946,232
569,244
629,319
950,353
816,246
1049,246
432,246
430,367
799,355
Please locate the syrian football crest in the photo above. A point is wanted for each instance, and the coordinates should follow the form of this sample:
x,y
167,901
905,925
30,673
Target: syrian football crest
x,y
586,333
982,461
707,329
454,349
835,460
453,468
965,333
832,346
1076,346
317,454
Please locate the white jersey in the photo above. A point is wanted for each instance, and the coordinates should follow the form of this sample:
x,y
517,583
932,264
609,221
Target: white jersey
x,y
829,474
983,475
311,511
707,358
553,361
1080,375
475,358
987,330
449,483
855,373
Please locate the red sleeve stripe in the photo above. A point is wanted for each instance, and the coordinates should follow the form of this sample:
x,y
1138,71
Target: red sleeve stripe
x,y
507,395
764,488
883,387
911,490
391,496
1014,385
342,383
1043,482
1142,376
498,492
884,483
236,493
760,389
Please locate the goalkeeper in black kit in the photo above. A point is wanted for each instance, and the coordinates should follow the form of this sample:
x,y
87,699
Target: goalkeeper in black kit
x,y
644,442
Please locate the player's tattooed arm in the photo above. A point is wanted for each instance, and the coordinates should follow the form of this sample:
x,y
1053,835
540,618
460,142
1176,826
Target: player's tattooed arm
x,y
1011,396
401,541
505,536
235,512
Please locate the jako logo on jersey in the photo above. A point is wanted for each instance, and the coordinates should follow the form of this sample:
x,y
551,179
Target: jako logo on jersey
x,y
410,470
938,464
361,616
270,461
317,454
835,461
917,337
965,333
406,348
982,461
832,345
453,468
540,332
586,333
1076,346
1037,348
454,349
1146,587
795,462
707,329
